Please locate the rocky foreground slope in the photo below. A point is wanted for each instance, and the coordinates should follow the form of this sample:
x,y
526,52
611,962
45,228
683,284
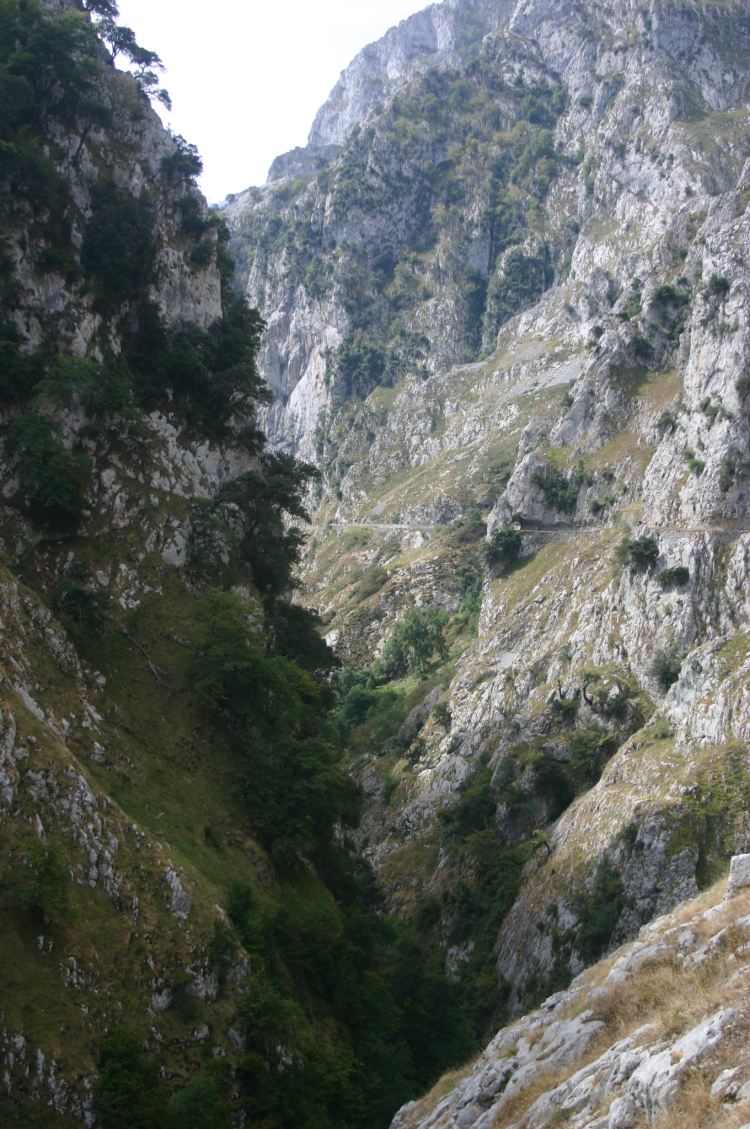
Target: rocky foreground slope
x,y
654,1035
508,315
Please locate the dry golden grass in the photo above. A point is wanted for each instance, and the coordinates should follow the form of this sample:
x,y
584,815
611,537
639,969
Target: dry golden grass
x,y
694,1108
643,998
521,1102
670,999
666,997
426,1105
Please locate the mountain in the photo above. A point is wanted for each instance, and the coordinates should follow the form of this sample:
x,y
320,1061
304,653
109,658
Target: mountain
x,y
507,311
252,876
184,937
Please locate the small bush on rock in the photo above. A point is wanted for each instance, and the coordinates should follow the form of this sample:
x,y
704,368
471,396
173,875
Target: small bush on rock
x,y
666,668
503,547
640,554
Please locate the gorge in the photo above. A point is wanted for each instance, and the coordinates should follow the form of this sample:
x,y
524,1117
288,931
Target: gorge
x,y
397,713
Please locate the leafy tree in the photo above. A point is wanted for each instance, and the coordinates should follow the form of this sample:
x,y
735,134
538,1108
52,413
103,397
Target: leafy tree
x,y
356,697
211,374
18,372
418,637
53,479
102,8
127,1093
476,806
276,712
118,250
503,546
359,366
184,164
640,554
297,637
48,68
521,282
40,886
266,498
146,64
600,911
201,1103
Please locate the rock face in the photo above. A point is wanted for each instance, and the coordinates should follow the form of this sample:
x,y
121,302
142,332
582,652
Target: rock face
x,y
102,914
612,1052
440,34
518,290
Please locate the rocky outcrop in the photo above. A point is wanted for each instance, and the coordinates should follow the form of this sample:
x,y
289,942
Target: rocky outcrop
x,y
631,1040
444,34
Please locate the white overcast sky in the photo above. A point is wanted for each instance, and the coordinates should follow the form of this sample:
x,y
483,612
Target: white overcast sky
x,y
247,78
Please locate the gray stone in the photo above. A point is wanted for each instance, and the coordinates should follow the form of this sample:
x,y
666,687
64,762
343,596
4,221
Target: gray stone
x,y
739,875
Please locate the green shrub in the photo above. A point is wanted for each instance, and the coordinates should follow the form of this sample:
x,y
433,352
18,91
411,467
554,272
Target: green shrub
x,y
53,479
552,782
666,667
676,577
640,554
470,607
41,880
82,609
667,422
666,295
590,748
733,465
695,465
566,708
718,286
442,716
560,490
503,547
599,911
642,348
390,784
416,639
371,582
221,951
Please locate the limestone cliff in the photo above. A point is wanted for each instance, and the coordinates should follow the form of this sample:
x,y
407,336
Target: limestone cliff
x,y
515,301
118,851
